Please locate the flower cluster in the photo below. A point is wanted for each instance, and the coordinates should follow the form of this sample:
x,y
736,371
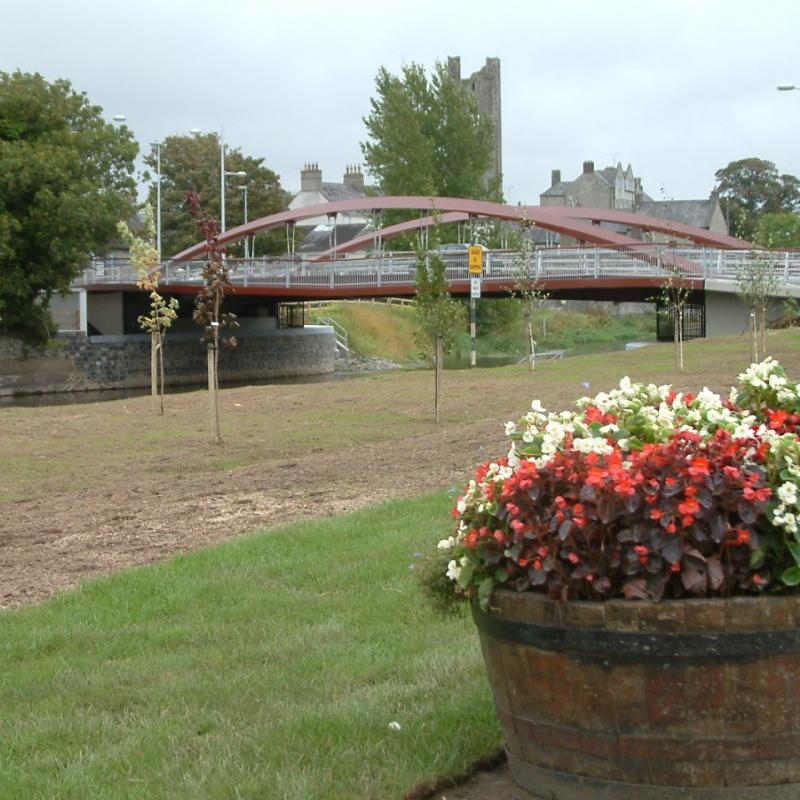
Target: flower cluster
x,y
641,492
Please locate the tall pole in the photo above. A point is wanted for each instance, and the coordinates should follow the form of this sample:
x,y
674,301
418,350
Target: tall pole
x,y
246,247
222,179
157,145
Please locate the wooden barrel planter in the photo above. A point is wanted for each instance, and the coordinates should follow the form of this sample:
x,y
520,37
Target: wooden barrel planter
x,y
691,699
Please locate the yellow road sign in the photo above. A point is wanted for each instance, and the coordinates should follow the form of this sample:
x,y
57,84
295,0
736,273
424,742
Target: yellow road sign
x,y
475,259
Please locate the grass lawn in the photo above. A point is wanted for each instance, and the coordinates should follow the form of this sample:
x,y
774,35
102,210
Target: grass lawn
x,y
268,667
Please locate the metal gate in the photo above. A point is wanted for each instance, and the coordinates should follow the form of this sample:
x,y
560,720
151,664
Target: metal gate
x,y
694,322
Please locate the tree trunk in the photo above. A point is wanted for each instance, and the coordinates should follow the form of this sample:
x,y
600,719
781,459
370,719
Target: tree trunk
x,y
680,340
675,339
212,391
531,347
161,370
754,327
438,358
154,368
762,330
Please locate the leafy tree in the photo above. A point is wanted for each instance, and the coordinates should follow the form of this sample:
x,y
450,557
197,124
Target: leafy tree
x,y
145,260
779,230
440,316
751,188
426,136
65,181
191,164
208,303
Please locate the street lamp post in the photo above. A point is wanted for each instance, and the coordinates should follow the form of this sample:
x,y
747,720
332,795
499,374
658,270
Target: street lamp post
x,y
157,146
222,175
246,245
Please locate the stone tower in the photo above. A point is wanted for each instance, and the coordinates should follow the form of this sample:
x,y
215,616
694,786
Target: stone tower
x,y
485,86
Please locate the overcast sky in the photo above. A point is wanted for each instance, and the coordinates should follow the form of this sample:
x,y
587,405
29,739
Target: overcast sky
x,y
678,89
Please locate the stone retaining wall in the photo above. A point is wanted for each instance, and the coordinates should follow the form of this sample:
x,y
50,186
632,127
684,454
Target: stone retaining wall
x,y
76,362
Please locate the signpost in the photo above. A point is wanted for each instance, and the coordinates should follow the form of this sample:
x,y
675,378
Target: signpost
x,y
475,270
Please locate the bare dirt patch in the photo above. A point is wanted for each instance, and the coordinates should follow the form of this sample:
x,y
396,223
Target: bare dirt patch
x,y
88,490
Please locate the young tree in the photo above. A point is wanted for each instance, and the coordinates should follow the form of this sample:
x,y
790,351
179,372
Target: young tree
x,y
208,304
426,136
674,297
752,187
191,164
145,260
759,282
439,315
66,178
528,287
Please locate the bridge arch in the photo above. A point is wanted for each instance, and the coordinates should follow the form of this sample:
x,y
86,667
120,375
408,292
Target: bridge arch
x,y
581,223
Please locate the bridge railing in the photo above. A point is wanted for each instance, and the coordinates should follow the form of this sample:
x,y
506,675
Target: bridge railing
x,y
501,267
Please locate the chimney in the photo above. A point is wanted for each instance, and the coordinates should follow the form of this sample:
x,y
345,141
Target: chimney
x,y
354,177
311,178
555,177
588,167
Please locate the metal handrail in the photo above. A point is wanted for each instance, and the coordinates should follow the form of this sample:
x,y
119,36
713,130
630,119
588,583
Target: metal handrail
x,y
339,332
398,270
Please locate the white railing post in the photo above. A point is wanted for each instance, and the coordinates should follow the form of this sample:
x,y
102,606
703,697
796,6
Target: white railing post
x,y
786,266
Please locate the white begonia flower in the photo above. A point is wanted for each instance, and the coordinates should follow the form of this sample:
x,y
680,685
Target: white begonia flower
x,y
536,405
786,396
787,493
511,428
705,397
593,444
777,381
453,570
446,544
625,384
461,505
527,436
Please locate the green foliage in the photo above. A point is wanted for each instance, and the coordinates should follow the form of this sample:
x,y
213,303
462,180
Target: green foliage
x,y
752,187
248,670
779,230
65,181
426,136
191,164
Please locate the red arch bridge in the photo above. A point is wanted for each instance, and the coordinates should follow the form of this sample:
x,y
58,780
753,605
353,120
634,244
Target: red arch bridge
x,y
604,264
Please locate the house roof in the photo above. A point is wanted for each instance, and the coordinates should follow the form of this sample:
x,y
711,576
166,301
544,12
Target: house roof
x,y
557,190
697,213
608,174
340,191
318,240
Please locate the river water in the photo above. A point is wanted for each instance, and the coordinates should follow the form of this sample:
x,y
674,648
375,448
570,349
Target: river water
x,y
102,395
